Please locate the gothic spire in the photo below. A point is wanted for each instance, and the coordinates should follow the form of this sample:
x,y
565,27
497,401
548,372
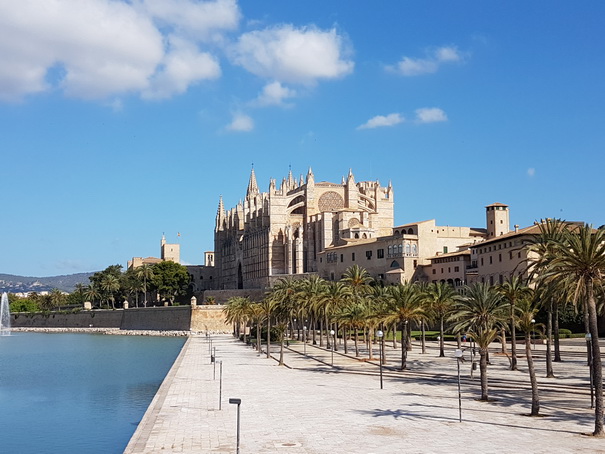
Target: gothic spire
x,y
252,185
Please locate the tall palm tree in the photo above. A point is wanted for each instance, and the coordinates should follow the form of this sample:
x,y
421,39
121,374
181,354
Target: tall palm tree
x,y
512,291
92,292
145,273
441,298
480,312
269,307
333,297
579,254
527,310
354,316
309,292
405,307
111,285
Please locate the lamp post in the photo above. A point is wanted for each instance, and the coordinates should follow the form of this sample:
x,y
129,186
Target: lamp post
x,y
380,335
220,386
305,340
458,355
533,331
589,344
333,340
237,402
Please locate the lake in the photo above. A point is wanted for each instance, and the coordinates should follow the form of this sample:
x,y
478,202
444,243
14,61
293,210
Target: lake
x,y
78,393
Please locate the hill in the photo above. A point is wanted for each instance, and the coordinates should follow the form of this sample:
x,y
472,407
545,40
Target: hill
x,y
11,283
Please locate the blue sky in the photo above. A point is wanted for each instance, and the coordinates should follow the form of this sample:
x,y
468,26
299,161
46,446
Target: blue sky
x,y
120,121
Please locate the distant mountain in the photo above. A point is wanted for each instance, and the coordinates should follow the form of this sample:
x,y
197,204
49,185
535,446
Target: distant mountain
x,y
67,283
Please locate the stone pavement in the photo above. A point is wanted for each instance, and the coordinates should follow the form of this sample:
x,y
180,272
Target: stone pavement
x,y
311,406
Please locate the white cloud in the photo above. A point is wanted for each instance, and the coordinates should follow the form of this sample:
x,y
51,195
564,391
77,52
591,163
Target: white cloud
x,y
294,55
417,66
274,94
241,123
183,65
381,121
531,172
200,20
104,48
430,115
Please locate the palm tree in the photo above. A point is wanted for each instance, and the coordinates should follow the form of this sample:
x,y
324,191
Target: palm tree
x,y
237,312
354,316
144,272
92,292
405,307
441,298
111,284
527,310
579,254
333,297
480,312
512,291
310,291
268,308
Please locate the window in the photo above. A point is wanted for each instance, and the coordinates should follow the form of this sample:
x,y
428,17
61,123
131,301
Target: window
x,y
445,252
490,260
500,259
380,253
519,255
342,258
434,271
353,256
456,269
390,250
481,261
369,255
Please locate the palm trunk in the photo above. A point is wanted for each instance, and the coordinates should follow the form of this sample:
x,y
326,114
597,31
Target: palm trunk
x,y
269,337
423,337
549,370
441,346
587,330
281,350
483,372
513,338
535,399
370,348
344,336
258,336
597,372
321,333
503,341
356,341
556,332
404,347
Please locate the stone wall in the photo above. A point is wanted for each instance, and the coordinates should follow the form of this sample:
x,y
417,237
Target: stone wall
x,y
172,318
83,319
209,318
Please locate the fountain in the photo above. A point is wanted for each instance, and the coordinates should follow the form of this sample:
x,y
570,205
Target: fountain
x,y
5,316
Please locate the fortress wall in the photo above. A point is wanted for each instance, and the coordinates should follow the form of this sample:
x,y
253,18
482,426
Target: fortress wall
x,y
209,318
83,319
175,318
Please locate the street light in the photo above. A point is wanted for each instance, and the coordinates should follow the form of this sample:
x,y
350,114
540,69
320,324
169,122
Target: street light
x,y
305,340
333,341
220,386
380,335
533,331
589,344
458,355
237,402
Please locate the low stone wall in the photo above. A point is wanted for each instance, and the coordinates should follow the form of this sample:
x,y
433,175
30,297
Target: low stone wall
x,y
174,318
209,319
222,296
82,319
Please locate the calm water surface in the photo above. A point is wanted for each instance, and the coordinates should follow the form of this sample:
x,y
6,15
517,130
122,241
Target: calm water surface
x,y
78,393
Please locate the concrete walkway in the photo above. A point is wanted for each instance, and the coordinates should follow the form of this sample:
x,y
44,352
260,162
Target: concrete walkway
x,y
314,407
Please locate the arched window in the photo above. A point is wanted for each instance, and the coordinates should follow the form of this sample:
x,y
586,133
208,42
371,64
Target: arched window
x,y
410,231
390,250
414,249
395,264
400,248
407,248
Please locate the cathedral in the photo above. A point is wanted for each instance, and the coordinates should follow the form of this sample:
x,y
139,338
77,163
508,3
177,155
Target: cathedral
x,y
282,232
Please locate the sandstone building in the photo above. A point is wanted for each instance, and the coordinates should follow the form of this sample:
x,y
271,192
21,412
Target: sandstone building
x,y
283,232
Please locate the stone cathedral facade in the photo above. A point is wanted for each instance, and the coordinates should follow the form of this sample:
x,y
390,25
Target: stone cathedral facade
x,y
281,232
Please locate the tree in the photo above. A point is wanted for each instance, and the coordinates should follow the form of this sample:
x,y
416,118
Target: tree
x,y
144,273
405,306
526,311
440,298
111,285
480,312
578,256
512,291
170,279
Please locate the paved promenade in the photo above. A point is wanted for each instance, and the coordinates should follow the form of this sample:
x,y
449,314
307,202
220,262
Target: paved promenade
x,y
314,407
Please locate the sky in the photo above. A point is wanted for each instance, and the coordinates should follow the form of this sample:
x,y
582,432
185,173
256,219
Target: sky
x,y
121,121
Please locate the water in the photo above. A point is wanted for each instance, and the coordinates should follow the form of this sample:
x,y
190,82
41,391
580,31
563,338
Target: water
x,y
78,393
5,316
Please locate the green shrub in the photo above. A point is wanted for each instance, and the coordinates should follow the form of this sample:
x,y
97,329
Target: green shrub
x,y
564,333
